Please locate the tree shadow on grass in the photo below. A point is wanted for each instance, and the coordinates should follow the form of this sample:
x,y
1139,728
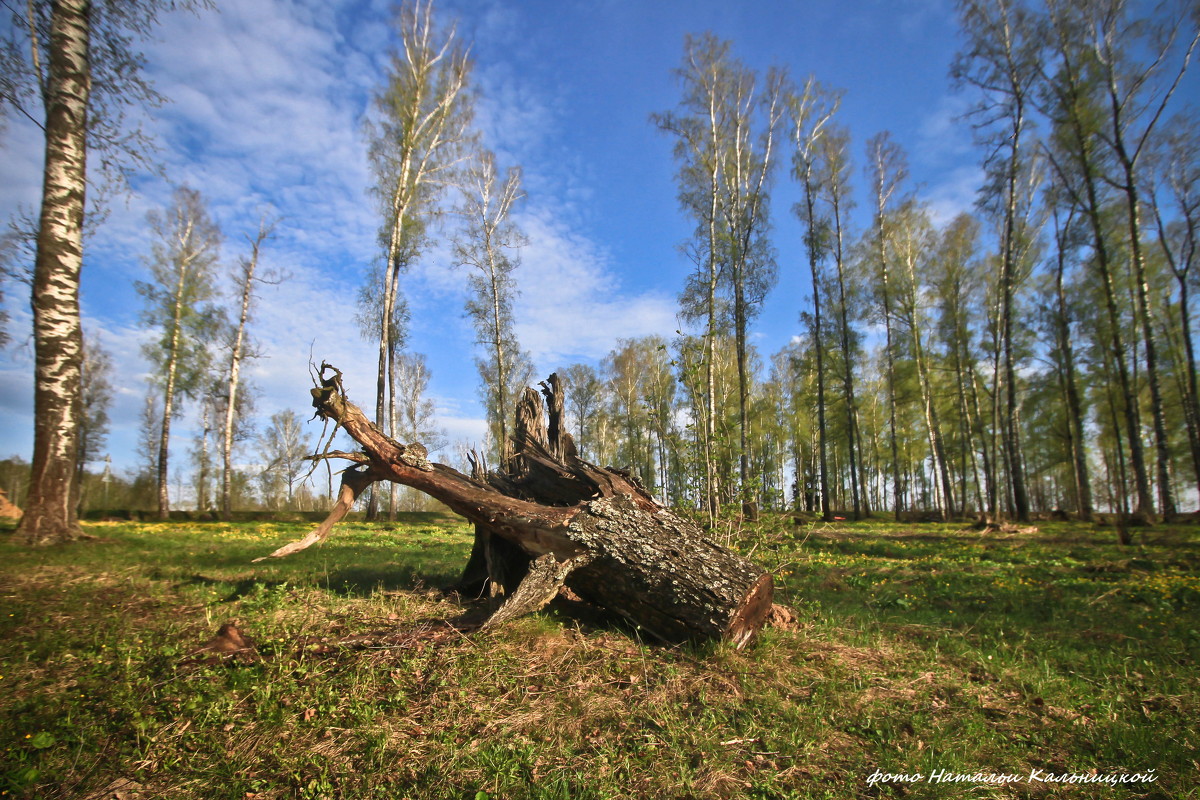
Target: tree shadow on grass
x,y
353,581
359,581
241,588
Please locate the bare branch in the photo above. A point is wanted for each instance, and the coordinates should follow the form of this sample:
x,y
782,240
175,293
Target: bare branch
x,y
354,482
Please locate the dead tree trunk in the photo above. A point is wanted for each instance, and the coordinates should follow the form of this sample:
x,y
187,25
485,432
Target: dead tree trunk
x,y
548,519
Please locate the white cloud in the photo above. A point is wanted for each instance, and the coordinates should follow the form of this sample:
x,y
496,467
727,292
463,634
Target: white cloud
x,y
954,193
944,136
471,430
572,304
946,151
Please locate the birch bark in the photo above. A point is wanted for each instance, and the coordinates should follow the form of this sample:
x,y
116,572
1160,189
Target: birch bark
x,y
50,514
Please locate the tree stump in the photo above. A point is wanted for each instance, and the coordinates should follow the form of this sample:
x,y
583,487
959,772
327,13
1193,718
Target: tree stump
x,y
547,519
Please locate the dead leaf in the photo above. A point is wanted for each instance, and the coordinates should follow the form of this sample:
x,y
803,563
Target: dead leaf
x,y
783,618
229,639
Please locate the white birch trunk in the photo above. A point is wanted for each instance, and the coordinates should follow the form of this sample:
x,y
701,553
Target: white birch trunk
x,y
50,513
235,370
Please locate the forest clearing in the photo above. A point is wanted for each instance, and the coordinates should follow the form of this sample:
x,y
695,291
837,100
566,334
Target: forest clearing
x,y
917,648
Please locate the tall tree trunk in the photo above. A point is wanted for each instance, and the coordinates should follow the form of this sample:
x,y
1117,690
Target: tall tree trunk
x,y
748,496
382,373
887,165
164,441
1158,415
1069,100
889,352
711,489
392,423
391,284
236,353
967,428
1128,153
231,396
986,451
967,422
936,444
1122,494
203,477
819,347
1145,504
1071,396
50,513
853,436
1010,431
1189,393
503,446
1191,398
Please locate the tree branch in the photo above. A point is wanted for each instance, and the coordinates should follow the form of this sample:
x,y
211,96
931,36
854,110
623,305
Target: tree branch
x,y
354,483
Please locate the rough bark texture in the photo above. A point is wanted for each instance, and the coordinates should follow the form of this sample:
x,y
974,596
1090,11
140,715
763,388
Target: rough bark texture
x,y
50,513
549,521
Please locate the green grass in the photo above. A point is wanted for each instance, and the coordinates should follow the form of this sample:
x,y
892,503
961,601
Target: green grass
x,y
918,648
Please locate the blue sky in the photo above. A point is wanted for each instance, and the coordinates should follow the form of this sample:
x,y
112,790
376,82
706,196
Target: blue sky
x,y
268,102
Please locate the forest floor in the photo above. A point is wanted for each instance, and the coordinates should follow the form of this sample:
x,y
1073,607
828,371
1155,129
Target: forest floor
x,y
928,651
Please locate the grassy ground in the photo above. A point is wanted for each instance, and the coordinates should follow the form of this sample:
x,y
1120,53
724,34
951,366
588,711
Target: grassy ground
x,y
919,648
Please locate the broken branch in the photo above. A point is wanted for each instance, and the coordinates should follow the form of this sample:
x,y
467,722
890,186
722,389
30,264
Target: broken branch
x,y
354,483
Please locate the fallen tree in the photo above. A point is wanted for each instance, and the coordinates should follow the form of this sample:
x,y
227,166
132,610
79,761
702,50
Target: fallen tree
x,y
547,520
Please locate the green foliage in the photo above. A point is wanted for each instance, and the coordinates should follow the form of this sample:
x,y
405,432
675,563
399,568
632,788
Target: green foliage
x,y
179,296
283,447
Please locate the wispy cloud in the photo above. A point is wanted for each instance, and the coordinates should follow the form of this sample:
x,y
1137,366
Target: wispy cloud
x,y
946,150
954,193
573,306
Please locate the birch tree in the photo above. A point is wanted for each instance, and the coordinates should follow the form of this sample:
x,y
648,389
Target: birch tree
x,y
284,448
1070,99
1173,189
910,246
240,348
1136,91
726,128
202,444
69,67
423,114
178,301
1067,238
958,277
886,168
416,411
489,247
628,369
811,112
584,397
756,125
834,161
699,126
1000,59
